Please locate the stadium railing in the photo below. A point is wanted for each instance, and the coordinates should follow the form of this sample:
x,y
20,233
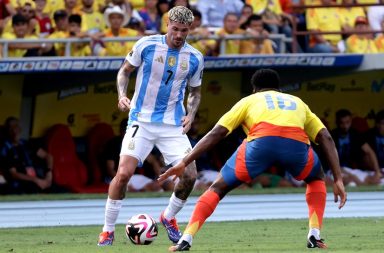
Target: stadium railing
x,y
68,41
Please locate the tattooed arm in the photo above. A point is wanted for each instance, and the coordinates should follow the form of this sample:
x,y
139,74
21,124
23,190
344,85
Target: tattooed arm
x,y
193,103
122,86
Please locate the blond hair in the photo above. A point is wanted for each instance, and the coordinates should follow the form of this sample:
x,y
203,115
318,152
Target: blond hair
x,y
180,14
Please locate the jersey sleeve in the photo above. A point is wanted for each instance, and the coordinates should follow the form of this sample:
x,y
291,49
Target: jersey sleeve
x,y
234,117
134,56
197,75
312,125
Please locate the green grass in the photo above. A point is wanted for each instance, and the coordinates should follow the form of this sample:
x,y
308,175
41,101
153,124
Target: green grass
x,y
70,196
341,235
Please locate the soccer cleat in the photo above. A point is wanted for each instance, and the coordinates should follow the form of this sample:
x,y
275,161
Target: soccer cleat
x,y
314,243
106,238
182,246
174,234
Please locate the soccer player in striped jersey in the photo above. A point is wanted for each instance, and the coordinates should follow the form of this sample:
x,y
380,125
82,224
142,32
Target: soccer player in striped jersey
x,y
167,65
279,128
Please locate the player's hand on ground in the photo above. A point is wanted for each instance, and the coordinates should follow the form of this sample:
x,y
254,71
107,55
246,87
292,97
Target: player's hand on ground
x,y
124,104
339,193
186,123
175,171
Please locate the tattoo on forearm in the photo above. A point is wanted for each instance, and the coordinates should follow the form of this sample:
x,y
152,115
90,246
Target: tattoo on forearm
x,y
122,82
193,102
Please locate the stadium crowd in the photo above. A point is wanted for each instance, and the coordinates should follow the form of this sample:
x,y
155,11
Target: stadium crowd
x,y
258,19
27,167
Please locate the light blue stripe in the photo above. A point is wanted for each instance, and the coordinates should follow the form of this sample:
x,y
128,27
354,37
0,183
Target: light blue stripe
x,y
179,110
165,89
147,55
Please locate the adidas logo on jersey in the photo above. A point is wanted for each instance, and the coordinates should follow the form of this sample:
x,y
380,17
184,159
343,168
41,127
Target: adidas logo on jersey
x,y
160,59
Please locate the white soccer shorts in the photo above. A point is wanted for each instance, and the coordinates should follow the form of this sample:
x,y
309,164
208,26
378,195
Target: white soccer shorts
x,y
141,137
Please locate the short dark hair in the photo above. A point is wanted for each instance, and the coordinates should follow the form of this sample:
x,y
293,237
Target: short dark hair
x,y
60,14
231,14
74,18
265,79
19,19
196,13
253,17
379,116
342,113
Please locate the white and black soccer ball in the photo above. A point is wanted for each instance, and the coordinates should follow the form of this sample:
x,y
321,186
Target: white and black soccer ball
x,y
141,229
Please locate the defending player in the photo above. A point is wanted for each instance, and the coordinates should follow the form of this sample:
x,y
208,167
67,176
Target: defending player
x,y
166,65
279,127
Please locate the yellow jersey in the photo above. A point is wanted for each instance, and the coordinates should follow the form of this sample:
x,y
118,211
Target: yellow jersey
x,y
324,20
233,46
349,15
358,45
17,52
379,41
272,113
119,48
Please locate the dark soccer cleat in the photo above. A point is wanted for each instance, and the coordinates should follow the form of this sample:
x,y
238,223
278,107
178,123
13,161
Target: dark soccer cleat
x,y
182,246
174,233
106,238
314,243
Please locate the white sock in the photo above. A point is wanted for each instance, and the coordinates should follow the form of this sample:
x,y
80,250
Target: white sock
x,y
174,206
186,237
112,209
315,232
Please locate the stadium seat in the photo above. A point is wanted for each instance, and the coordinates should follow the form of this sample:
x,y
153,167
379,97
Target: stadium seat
x,y
97,138
68,170
360,124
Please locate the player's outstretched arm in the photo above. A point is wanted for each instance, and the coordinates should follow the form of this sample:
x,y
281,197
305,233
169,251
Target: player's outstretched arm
x,y
122,85
328,147
207,142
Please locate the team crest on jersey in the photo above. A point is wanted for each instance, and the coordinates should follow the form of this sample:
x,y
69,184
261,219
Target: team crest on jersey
x,y
184,65
171,61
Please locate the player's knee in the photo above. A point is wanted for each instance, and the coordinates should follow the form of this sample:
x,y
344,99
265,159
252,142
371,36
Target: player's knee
x,y
123,176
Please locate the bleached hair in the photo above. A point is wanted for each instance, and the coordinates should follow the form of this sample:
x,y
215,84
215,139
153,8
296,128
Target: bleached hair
x,y
181,14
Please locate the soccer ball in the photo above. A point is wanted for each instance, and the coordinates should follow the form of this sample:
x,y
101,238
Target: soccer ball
x,y
141,229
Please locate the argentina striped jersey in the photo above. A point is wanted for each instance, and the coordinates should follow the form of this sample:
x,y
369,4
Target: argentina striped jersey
x,y
162,76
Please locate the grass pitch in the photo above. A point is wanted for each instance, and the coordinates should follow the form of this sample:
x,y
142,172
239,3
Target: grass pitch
x,y
341,235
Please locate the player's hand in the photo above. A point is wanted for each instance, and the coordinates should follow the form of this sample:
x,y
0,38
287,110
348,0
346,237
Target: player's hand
x,y
186,123
339,192
124,104
175,171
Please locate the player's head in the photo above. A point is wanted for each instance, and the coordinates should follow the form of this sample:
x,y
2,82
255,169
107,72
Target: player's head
x,y
343,120
265,79
180,19
379,119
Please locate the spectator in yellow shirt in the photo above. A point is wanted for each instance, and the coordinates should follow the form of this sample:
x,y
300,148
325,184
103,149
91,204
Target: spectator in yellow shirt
x,y
200,35
361,43
349,14
61,31
259,45
324,20
20,31
92,21
26,8
231,26
79,49
116,18
379,41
